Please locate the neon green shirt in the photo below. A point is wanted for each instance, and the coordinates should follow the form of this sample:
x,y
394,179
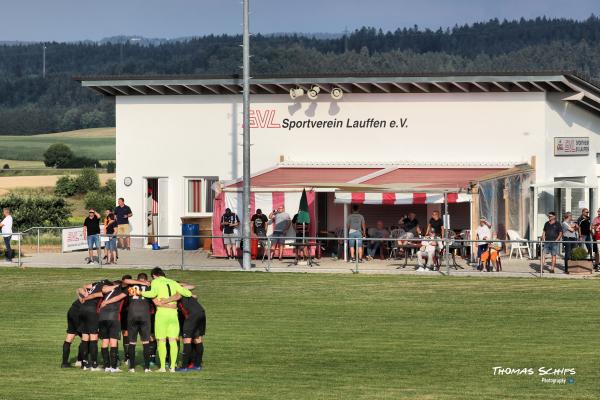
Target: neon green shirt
x,y
162,288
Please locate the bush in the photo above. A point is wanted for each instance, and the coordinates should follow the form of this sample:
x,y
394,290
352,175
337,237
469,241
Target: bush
x,y
65,186
111,167
579,254
58,155
6,166
99,201
87,181
81,162
36,210
110,188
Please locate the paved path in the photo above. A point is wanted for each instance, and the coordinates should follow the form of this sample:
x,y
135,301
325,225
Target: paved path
x,y
201,261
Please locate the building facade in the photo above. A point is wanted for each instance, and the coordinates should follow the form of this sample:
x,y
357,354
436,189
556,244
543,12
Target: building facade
x,y
179,136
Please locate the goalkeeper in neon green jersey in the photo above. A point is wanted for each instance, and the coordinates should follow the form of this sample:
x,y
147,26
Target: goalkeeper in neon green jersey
x,y
166,322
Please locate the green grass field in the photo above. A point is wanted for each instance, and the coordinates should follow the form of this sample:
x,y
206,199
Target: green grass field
x,y
317,336
96,143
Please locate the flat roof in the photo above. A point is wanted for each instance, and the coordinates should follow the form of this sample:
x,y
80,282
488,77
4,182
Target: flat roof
x,y
584,93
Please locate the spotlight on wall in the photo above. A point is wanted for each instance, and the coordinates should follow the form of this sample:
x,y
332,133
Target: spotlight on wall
x,y
295,93
313,92
337,93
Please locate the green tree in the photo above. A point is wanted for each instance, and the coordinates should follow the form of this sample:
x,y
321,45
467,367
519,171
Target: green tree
x,y
65,186
87,181
58,155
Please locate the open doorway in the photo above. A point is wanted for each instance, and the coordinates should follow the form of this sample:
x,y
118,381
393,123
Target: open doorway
x,y
156,212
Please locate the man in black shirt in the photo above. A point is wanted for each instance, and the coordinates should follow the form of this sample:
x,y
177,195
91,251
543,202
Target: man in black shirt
x,y
138,319
259,224
110,324
91,232
585,228
553,233
230,221
193,330
123,213
88,320
411,224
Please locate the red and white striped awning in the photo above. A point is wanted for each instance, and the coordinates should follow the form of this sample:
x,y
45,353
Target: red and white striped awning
x,y
400,198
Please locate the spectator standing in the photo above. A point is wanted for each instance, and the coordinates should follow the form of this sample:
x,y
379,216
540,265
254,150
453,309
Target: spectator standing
x,y
110,225
596,236
122,214
91,233
570,231
379,232
6,224
107,212
436,225
259,224
585,230
281,224
484,235
552,233
230,221
356,231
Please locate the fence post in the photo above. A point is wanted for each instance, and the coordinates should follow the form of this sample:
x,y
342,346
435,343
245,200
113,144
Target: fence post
x,y
19,255
182,254
356,256
100,254
38,240
447,253
268,254
542,261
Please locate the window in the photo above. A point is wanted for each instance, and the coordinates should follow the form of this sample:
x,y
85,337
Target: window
x,y
200,195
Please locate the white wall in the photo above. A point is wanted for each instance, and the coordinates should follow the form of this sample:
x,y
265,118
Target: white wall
x,y
177,136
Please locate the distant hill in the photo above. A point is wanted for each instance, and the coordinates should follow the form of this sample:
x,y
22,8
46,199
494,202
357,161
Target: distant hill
x,y
30,104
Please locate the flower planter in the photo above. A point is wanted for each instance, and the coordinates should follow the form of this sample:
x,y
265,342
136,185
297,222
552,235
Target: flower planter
x,y
580,267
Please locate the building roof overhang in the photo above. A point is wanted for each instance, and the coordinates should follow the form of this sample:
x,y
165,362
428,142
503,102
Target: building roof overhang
x,y
577,90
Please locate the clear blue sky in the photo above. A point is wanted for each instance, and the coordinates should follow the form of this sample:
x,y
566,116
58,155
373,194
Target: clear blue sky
x,y
65,20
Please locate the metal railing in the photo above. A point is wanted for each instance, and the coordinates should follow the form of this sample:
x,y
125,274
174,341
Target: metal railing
x,y
315,243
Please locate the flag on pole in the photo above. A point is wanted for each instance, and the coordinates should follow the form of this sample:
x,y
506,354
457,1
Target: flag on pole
x,y
303,215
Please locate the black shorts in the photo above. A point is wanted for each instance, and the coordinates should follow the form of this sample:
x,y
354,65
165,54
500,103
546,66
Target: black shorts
x,y
110,329
194,326
73,324
124,321
142,326
88,322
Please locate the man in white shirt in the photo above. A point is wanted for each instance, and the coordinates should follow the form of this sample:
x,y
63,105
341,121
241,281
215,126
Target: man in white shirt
x,y
426,253
484,235
6,225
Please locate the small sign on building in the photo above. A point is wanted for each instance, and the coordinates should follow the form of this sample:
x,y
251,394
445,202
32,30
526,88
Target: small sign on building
x,y
571,146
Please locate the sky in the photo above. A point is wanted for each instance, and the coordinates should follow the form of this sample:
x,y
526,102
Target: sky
x,y
71,20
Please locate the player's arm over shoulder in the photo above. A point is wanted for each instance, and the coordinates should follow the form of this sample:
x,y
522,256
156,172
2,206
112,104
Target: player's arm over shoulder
x,y
181,290
151,293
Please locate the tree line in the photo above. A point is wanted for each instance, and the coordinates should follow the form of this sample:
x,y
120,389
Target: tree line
x,y
30,103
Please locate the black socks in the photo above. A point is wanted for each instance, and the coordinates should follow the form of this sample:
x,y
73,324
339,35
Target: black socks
x,y
66,351
126,347
147,356
105,357
84,348
113,357
199,354
187,355
131,355
93,351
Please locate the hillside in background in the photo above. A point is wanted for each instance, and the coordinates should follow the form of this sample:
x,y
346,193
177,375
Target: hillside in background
x,y
32,104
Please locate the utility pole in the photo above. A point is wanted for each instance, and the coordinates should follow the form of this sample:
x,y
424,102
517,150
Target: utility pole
x,y
44,61
246,261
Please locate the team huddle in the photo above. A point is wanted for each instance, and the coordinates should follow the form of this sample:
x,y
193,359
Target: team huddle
x,y
159,312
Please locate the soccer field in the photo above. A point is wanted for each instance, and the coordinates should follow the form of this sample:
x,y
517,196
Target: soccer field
x,y
318,336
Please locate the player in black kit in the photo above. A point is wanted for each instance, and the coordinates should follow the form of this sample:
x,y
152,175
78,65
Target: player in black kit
x,y
193,329
73,330
138,321
110,324
124,309
88,320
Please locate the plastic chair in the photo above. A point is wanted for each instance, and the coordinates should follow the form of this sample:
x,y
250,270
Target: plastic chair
x,y
519,245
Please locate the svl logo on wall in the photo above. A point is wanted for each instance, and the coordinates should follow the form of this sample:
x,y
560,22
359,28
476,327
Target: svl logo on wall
x,y
268,119
571,146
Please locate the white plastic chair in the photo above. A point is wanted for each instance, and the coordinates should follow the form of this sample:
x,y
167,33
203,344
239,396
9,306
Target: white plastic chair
x,y
521,244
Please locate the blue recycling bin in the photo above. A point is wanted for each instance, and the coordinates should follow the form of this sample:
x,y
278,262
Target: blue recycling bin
x,y
189,241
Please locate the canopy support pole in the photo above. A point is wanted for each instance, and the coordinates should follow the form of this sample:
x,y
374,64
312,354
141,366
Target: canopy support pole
x,y
345,230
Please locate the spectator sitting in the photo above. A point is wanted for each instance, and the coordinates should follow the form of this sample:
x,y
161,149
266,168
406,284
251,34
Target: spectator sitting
x,y
426,254
379,232
492,255
484,235
411,224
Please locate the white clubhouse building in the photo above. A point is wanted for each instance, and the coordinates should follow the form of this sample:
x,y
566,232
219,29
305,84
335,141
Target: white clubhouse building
x,y
496,140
